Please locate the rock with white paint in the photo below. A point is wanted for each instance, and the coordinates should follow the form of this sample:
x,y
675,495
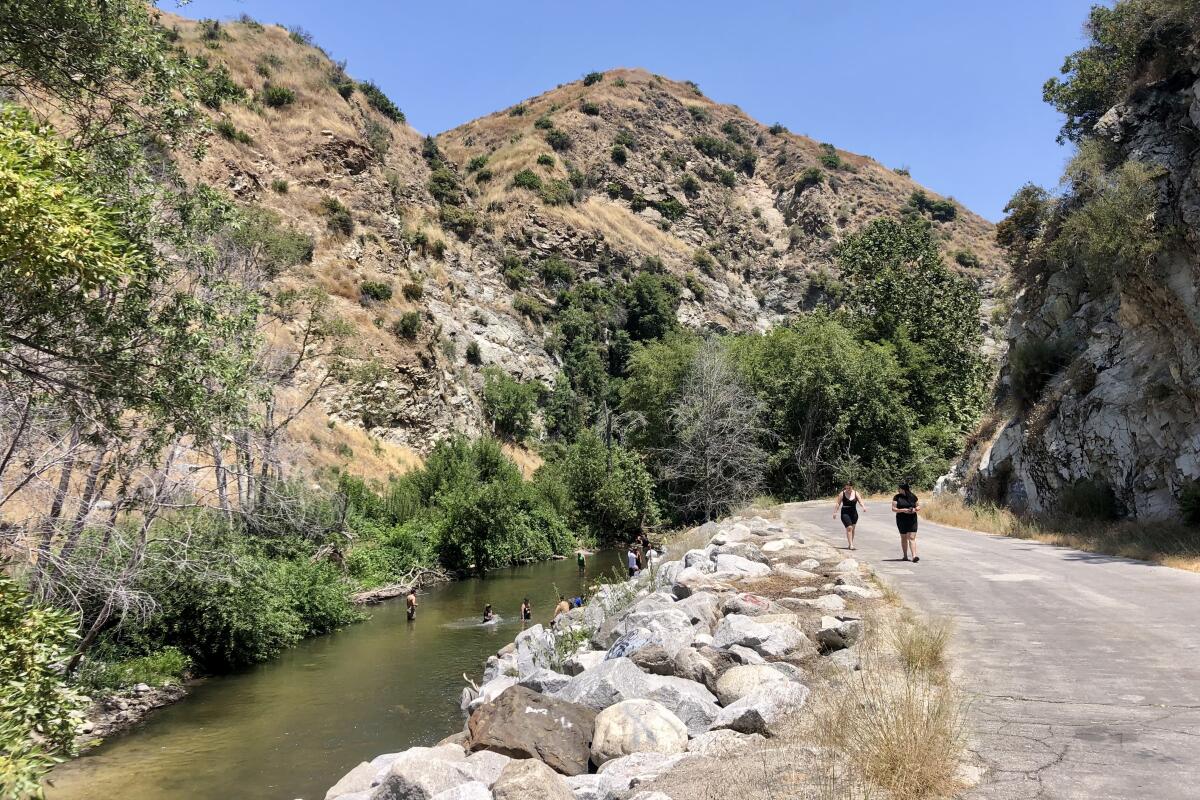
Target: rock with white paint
x,y
525,724
636,726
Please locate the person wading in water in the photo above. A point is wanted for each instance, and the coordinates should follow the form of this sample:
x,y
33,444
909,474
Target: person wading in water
x,y
411,602
906,506
526,610
846,505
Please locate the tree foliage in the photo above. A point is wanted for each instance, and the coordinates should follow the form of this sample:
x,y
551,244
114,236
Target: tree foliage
x,y
38,710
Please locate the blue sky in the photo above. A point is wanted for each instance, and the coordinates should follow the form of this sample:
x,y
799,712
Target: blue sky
x,y
949,88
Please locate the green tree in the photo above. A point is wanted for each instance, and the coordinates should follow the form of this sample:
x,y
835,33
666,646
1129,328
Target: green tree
x,y
610,488
509,403
37,722
900,292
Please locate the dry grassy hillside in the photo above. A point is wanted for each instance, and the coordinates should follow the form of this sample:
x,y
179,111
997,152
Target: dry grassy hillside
x,y
425,245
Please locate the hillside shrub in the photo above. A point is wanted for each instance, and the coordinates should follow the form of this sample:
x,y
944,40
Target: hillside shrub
x,y
216,85
619,155
518,110
477,163
413,291
592,78
514,271
375,290
443,185
829,157
300,35
228,130
1031,365
557,192
726,177
690,185
277,96
527,179
590,108
705,262
337,216
558,139
545,160
381,102
777,129
473,354
527,306
276,246
813,176
408,325
543,123
965,258
699,113
379,138
939,210
279,186
461,221
555,271
671,208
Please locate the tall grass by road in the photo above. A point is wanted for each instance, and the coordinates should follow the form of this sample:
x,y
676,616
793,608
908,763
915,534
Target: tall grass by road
x,y
1166,543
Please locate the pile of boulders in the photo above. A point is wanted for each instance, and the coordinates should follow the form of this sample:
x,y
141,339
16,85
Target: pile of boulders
x,y
116,712
702,656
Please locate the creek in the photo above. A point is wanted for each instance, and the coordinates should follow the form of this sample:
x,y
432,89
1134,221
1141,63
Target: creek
x,y
290,728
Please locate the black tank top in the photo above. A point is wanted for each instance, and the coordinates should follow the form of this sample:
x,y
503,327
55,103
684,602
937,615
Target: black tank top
x,y
849,501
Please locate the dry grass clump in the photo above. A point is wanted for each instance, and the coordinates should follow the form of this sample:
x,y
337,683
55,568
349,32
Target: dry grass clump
x,y
921,646
1166,543
890,730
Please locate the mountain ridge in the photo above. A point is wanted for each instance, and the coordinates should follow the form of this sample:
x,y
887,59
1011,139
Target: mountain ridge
x,y
744,217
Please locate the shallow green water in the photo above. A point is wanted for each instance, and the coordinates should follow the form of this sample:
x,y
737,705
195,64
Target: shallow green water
x,y
292,727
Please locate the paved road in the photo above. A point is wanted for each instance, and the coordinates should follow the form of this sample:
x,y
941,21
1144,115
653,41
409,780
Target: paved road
x,y
1085,669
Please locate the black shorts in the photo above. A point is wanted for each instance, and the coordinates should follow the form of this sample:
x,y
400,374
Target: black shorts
x,y
849,517
906,523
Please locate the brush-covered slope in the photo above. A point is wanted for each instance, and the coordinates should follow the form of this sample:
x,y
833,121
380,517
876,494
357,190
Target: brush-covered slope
x,y
446,255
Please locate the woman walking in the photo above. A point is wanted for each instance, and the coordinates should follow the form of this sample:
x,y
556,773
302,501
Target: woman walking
x,y
846,505
906,506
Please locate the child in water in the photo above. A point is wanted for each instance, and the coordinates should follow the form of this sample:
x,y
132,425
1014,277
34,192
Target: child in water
x,y
526,610
488,615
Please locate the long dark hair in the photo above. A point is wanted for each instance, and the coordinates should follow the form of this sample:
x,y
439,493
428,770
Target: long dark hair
x,y
906,490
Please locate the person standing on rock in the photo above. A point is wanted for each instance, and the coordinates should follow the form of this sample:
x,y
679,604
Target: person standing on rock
x,y
846,505
411,603
906,506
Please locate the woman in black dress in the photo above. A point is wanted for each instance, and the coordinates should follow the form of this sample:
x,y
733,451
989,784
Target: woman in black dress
x,y
846,505
906,506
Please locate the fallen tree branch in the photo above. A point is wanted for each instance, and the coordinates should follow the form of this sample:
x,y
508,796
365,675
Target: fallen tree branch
x,y
415,579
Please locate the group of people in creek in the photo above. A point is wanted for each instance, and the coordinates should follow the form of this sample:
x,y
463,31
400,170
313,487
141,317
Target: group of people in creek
x,y
565,603
905,506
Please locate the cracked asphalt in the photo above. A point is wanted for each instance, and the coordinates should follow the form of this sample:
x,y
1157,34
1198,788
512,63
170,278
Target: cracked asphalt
x,y
1083,669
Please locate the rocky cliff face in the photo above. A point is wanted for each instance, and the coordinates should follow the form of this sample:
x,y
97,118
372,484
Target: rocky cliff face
x,y
1121,408
608,174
